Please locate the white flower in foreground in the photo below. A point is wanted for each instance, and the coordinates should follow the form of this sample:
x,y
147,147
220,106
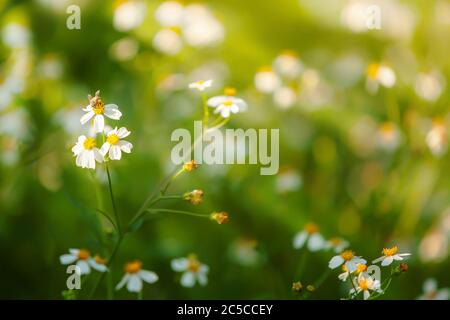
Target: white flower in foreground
x,y
366,284
378,74
193,271
134,275
337,244
310,235
86,152
84,261
431,291
96,109
115,145
347,258
227,103
389,255
360,269
200,85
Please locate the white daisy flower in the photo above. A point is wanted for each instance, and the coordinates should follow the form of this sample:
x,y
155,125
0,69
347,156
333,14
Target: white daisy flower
x,y
115,145
134,274
389,255
378,74
337,244
366,284
227,103
193,271
86,152
347,258
311,236
84,261
360,269
96,109
200,85
431,291
266,81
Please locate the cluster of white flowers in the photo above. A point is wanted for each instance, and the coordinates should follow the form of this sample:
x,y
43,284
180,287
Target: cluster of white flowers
x,y
85,150
353,266
280,79
194,23
83,260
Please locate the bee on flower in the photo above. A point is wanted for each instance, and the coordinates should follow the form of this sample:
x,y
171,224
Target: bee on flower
x,y
347,258
390,255
337,244
134,275
227,103
193,271
87,152
114,145
96,110
83,260
201,85
311,236
431,291
366,285
379,74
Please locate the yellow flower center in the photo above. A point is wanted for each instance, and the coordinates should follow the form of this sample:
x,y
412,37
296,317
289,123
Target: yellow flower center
x,y
113,139
193,264
363,284
390,251
228,103
99,106
189,166
347,255
335,241
133,267
360,268
311,228
200,82
228,91
83,254
372,70
99,260
89,143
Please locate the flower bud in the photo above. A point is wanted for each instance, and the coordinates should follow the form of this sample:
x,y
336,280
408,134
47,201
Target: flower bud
x,y
401,268
189,166
195,196
219,217
297,287
310,288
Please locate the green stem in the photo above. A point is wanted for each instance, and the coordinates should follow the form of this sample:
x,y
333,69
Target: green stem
x,y
193,214
110,292
140,295
116,216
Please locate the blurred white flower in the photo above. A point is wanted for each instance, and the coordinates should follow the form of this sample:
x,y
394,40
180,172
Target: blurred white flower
x,y
434,246
431,291
428,86
15,124
337,244
193,271
201,85
436,138
390,255
366,284
168,41
129,15
227,103
311,236
84,261
288,181
124,49
288,65
285,97
200,27
388,136
134,275
50,67
115,145
347,258
86,152
96,109
266,81
170,13
379,74
16,36
9,150
244,252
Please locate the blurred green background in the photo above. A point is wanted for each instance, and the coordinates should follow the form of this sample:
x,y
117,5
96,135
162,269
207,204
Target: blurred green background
x,y
369,165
